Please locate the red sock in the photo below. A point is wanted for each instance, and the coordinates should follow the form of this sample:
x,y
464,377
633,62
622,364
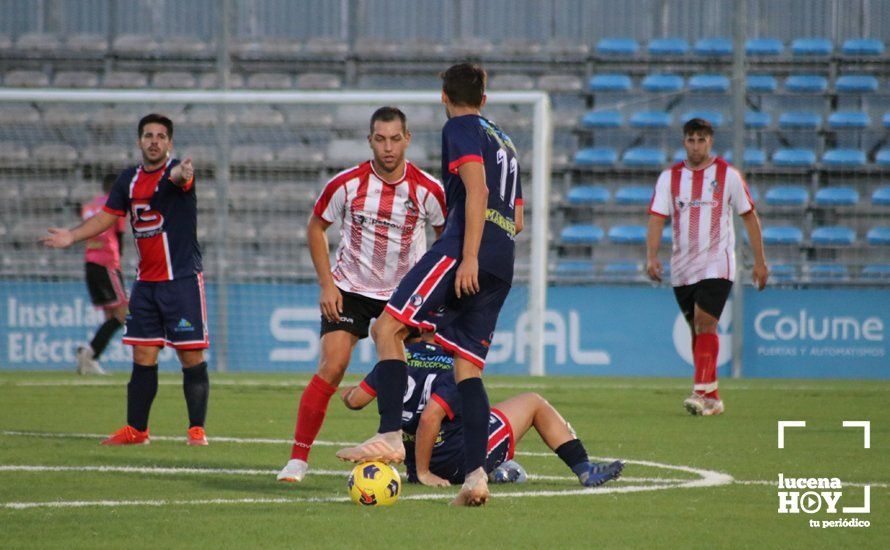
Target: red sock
x,y
313,405
705,353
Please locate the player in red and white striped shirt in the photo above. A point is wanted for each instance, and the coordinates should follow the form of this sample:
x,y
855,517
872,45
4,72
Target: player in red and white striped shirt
x,y
384,205
699,196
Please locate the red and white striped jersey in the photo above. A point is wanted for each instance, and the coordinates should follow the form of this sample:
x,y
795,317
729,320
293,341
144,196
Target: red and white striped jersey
x,y
383,225
698,203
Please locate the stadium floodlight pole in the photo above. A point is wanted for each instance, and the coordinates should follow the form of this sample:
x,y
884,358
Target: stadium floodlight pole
x,y
541,144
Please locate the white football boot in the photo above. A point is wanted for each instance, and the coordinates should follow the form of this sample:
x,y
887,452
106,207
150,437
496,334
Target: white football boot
x,y
85,362
294,471
695,404
713,407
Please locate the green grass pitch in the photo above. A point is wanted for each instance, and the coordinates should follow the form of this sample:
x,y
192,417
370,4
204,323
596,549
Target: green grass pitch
x,y
690,482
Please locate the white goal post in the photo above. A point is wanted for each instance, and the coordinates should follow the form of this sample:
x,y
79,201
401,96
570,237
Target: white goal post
x,y
539,102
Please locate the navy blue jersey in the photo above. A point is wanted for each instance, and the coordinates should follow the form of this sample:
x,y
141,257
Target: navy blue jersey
x,y
472,138
430,377
164,221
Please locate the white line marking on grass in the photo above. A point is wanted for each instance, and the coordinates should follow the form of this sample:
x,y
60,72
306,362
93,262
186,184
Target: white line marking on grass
x,y
156,470
554,385
214,439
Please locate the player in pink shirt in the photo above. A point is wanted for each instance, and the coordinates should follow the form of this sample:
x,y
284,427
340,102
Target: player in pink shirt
x,y
699,196
105,281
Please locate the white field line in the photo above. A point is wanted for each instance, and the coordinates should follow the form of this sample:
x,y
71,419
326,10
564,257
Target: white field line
x,y
296,384
155,470
552,385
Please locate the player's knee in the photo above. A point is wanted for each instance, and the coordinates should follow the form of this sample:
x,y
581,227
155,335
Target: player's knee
x,y
386,327
145,355
332,370
191,357
705,326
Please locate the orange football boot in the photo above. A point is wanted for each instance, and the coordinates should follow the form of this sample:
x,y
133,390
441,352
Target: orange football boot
x,y
197,436
128,435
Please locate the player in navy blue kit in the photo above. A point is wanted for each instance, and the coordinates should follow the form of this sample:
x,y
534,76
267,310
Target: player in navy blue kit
x,y
167,304
458,287
432,426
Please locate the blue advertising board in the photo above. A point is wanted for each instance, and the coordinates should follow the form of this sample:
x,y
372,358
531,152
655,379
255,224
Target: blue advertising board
x,y
600,331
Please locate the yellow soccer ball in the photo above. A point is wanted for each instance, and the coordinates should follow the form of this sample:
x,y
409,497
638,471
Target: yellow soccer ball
x,y
374,484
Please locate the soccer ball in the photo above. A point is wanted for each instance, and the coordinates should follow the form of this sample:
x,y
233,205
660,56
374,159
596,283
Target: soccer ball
x,y
374,484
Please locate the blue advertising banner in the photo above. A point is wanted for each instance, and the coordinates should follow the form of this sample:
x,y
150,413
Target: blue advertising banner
x,y
601,331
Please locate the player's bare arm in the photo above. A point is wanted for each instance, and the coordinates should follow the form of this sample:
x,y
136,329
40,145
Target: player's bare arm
x,y
467,276
760,273
355,398
653,239
330,300
520,218
182,173
63,238
427,431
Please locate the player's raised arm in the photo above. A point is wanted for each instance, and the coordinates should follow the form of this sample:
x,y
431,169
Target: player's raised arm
x,y
760,273
467,277
653,239
183,173
63,238
427,431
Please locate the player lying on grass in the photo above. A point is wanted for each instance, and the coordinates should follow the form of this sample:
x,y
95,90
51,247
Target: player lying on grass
x,y
433,430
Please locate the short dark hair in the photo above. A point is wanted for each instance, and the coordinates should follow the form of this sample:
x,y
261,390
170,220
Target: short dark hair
x,y
698,126
108,182
388,114
464,84
155,118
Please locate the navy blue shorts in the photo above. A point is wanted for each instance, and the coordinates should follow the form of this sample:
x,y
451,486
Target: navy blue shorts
x,y
425,299
168,313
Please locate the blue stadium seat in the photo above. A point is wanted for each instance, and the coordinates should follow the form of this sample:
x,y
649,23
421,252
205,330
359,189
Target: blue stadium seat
x,y
878,235
634,194
710,83
622,268
714,117
679,155
596,156
762,83
806,84
651,119
848,119
714,47
668,46
828,272
812,46
644,156
876,271
800,119
856,84
787,195
603,119
882,158
844,157
755,193
782,273
574,267
885,120
833,235
836,196
660,83
881,197
757,119
609,83
784,234
794,157
581,234
617,46
757,47
752,157
667,235
627,234
587,194
863,46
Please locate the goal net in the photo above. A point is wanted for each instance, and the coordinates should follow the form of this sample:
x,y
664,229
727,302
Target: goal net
x,y
261,159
